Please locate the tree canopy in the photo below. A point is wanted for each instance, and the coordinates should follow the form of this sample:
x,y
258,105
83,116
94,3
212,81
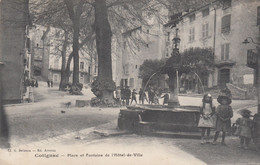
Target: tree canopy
x,y
150,67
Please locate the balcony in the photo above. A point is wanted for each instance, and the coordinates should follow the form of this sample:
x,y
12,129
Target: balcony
x,y
224,63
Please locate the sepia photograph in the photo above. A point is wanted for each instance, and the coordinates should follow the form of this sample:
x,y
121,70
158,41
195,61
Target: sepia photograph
x,y
130,82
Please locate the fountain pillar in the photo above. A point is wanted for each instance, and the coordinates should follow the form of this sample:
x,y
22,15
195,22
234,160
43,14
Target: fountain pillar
x,y
173,101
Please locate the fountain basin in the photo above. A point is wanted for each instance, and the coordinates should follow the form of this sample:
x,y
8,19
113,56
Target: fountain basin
x,y
147,119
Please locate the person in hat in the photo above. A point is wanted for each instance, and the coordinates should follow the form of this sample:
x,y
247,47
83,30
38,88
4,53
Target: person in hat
x,y
224,113
133,96
245,125
118,95
142,96
207,118
166,98
127,95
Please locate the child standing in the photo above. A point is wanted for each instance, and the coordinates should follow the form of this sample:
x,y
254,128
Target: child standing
x,y
134,96
166,98
224,113
206,121
245,125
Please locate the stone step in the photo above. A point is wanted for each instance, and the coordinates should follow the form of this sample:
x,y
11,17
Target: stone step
x,y
167,134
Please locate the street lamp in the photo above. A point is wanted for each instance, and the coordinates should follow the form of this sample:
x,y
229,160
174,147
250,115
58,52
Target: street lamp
x,y
257,68
176,42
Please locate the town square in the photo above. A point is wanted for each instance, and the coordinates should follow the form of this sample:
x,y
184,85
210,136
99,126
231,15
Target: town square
x,y
129,82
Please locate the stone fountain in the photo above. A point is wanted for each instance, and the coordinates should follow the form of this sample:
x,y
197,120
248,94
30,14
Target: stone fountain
x,y
173,119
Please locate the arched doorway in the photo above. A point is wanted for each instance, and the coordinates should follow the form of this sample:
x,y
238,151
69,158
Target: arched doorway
x,y
224,77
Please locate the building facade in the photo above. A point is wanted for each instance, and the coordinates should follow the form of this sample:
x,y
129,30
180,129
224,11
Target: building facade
x,y
14,56
144,42
222,25
46,43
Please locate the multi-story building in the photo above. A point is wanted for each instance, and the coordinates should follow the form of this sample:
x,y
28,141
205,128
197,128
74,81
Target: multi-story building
x,y
221,25
46,43
148,45
14,57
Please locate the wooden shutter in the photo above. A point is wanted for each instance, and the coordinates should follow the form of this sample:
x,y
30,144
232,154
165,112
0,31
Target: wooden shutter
x,y
225,26
258,15
222,51
227,52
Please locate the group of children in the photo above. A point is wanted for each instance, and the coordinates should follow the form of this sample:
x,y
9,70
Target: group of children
x,y
220,119
130,97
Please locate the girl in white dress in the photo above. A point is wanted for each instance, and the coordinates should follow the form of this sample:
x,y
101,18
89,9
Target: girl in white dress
x,y
207,120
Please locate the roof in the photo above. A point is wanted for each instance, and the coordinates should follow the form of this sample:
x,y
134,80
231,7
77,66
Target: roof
x,y
176,20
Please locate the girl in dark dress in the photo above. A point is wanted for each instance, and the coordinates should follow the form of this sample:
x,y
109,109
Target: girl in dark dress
x,y
224,113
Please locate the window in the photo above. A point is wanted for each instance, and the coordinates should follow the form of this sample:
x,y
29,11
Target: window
x,y
225,52
81,78
168,36
205,12
192,18
132,82
81,65
192,34
81,75
226,4
55,78
95,70
167,53
28,44
56,64
136,66
124,44
126,69
57,35
258,15
205,30
225,24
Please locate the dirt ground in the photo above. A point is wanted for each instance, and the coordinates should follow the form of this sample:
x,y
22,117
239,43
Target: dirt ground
x,y
219,154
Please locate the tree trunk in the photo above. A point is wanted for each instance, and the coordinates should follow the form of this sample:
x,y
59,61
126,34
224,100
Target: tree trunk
x,y
74,14
63,82
103,43
76,29
67,71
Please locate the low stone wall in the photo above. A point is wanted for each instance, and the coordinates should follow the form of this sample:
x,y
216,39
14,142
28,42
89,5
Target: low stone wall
x,y
237,93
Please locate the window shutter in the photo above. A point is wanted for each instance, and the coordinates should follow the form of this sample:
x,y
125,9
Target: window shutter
x,y
203,30
227,51
207,29
225,26
258,15
222,52
193,34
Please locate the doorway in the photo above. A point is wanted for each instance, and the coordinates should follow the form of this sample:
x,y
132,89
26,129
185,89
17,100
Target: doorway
x,y
224,77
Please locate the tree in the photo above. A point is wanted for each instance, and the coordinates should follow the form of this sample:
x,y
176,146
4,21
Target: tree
x,y
73,18
198,61
148,68
111,17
